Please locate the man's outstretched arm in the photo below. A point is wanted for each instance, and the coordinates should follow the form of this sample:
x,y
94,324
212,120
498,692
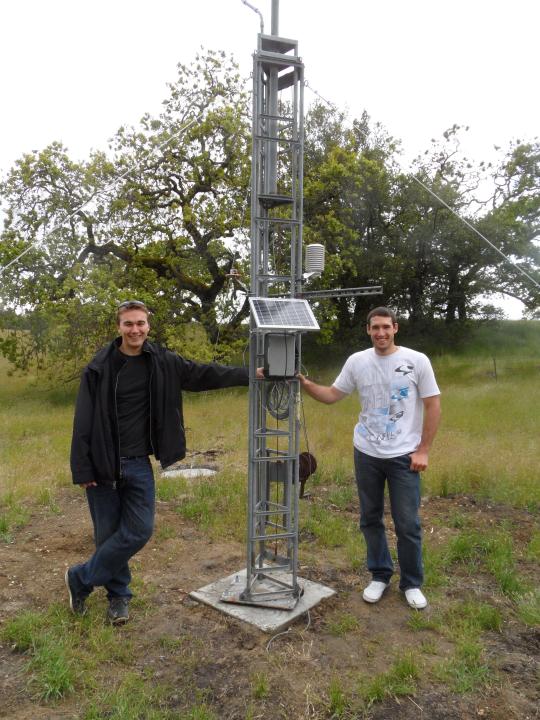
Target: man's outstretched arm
x,y
432,417
323,393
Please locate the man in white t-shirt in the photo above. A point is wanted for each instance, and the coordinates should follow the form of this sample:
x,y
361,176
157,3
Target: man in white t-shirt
x,y
396,427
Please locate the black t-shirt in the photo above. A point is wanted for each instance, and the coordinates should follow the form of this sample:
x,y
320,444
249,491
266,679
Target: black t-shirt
x,y
133,405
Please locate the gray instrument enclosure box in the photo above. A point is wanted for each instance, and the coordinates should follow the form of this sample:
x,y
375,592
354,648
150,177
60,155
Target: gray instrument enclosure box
x,y
279,355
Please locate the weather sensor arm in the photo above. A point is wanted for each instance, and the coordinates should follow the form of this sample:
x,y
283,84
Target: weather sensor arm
x,y
252,7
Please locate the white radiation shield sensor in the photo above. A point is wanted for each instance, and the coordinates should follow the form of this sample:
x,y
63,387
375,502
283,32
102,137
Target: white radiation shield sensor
x,y
314,259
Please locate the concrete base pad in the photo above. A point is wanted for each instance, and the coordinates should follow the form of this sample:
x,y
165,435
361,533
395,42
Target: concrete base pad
x,y
266,619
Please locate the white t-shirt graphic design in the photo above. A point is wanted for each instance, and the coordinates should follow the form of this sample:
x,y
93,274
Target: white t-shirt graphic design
x,y
391,389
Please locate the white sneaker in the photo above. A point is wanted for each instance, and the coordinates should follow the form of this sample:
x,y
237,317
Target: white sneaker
x,y
374,591
416,598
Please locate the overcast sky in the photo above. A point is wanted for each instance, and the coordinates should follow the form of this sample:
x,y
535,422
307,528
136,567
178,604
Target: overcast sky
x,y
75,71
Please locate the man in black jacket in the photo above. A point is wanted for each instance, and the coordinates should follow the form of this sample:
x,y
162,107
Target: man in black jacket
x,y
129,406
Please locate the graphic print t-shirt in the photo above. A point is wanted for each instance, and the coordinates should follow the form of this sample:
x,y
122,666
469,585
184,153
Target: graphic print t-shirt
x,y
391,389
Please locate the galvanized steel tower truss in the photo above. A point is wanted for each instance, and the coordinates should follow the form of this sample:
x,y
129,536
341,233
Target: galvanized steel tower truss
x,y
276,270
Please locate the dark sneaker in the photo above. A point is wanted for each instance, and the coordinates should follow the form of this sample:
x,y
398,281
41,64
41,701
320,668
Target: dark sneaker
x,y
118,612
76,600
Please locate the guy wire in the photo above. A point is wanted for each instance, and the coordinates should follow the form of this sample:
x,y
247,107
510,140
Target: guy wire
x,y
459,217
471,227
95,194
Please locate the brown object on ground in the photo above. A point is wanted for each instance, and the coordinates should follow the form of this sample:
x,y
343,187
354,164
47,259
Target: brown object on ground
x,y
307,464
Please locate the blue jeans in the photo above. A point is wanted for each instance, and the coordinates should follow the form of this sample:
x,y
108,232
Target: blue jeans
x,y
123,518
404,491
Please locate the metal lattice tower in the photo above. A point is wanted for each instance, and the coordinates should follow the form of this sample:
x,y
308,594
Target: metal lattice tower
x,y
276,271
276,229
276,266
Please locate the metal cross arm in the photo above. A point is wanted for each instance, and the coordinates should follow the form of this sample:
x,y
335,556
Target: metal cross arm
x,y
341,292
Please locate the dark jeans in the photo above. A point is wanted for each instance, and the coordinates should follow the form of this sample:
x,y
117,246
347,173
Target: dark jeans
x,y
123,518
404,491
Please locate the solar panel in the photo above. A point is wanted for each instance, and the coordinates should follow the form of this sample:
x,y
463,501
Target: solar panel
x,y
282,314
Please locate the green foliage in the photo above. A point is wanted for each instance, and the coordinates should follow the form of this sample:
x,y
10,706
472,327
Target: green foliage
x,y
217,505
47,498
13,515
529,608
329,529
379,226
162,217
190,341
457,520
83,658
54,671
343,624
260,686
434,565
489,427
21,631
134,698
171,488
400,679
420,621
533,548
343,497
163,226
164,532
336,472
459,347
467,670
51,663
470,618
337,699
493,551
65,654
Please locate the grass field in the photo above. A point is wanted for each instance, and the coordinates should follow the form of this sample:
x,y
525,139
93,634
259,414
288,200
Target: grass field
x,y
488,443
481,502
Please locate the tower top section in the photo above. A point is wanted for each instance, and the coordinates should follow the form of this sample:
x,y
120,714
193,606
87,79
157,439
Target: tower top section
x,y
278,45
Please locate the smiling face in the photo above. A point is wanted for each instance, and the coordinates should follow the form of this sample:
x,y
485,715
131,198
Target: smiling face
x,y
382,330
133,328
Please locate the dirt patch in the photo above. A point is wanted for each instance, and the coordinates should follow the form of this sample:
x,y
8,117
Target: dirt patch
x,y
173,636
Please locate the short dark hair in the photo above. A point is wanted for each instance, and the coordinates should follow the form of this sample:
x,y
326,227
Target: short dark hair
x,y
382,312
131,305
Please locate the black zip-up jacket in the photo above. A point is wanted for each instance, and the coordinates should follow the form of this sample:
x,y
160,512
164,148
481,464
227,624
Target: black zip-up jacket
x,y
94,447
